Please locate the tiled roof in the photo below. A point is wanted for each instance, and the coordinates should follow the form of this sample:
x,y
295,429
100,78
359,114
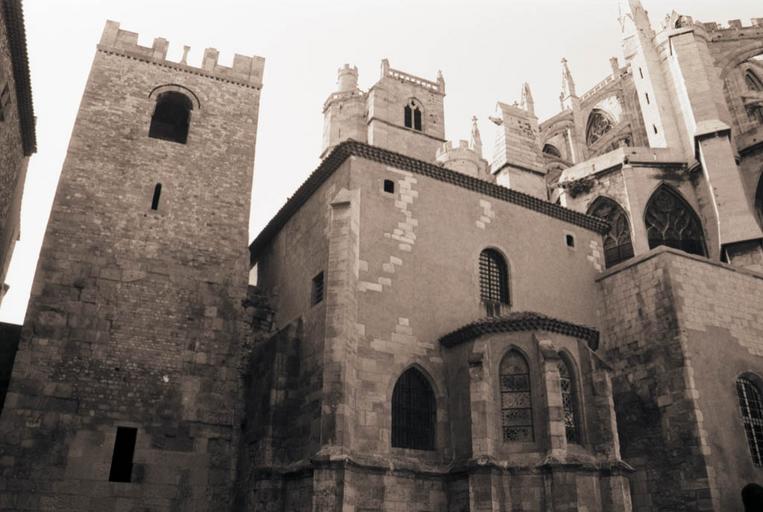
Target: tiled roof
x,y
353,148
520,321
14,27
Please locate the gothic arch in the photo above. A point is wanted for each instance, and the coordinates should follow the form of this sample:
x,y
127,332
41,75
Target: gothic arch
x,y
750,398
738,58
600,122
671,221
413,411
618,245
494,281
413,114
160,89
515,388
171,118
569,377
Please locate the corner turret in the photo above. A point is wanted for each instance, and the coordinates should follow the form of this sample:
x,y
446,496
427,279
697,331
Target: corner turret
x,y
344,111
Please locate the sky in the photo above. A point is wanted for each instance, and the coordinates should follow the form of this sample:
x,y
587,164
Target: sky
x,y
486,49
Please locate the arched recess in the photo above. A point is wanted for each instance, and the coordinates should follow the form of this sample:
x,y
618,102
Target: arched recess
x,y
550,149
516,397
618,245
414,412
413,114
570,398
751,409
754,83
599,124
494,281
172,117
671,221
759,200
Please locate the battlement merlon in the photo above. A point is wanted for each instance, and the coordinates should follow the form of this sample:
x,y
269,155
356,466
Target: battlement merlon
x,y
437,87
245,71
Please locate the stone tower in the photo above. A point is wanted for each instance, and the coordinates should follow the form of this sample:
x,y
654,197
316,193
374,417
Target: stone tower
x,y
123,396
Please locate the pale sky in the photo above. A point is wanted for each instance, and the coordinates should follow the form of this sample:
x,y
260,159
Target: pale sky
x,y
485,49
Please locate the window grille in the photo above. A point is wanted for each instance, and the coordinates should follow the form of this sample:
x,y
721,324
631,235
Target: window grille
x,y
617,242
413,412
494,281
412,116
171,118
516,401
316,294
569,401
671,221
752,417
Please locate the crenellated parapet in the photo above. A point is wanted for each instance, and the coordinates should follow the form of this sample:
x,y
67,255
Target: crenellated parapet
x,y
463,157
246,71
437,87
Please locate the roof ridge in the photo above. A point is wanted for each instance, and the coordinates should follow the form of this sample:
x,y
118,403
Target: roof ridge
x,y
352,147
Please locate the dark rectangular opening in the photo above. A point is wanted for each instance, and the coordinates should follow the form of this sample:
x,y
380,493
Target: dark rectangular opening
x,y
654,127
640,72
569,240
647,98
316,295
157,194
389,186
124,450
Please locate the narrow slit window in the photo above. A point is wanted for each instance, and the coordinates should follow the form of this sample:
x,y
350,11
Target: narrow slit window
x,y
157,195
647,98
640,72
654,127
389,186
316,295
121,459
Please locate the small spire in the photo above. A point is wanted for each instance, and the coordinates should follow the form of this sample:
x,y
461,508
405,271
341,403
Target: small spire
x,y
475,140
440,81
568,84
384,67
527,102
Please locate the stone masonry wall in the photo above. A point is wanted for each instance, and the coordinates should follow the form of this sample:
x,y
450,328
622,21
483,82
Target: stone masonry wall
x,y
13,163
136,314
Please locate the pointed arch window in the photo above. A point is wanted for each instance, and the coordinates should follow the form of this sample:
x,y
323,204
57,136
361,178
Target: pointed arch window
x,y
599,124
412,115
617,242
552,150
171,118
414,412
494,281
516,400
671,221
569,400
751,407
753,82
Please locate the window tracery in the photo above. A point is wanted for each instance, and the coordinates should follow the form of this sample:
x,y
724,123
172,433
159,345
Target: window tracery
x,y
599,124
617,242
412,115
751,407
516,401
569,401
672,222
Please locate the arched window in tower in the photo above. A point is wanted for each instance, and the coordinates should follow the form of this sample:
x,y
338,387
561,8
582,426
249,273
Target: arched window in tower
x,y
550,149
414,412
171,118
617,242
412,115
494,281
671,221
599,124
569,399
516,400
751,407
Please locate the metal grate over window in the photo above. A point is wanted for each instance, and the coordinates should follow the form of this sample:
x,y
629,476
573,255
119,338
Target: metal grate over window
x,y
316,293
413,412
751,406
516,401
494,281
569,402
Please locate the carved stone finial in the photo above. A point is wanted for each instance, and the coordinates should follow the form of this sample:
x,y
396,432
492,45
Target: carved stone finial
x,y
475,140
184,60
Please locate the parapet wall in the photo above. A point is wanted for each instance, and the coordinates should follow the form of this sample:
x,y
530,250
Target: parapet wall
x,y
246,71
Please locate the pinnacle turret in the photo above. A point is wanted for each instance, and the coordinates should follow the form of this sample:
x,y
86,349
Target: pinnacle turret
x,y
527,101
475,139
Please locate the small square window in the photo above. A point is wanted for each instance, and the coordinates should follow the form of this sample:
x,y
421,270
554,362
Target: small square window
x,y
569,240
389,186
316,294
